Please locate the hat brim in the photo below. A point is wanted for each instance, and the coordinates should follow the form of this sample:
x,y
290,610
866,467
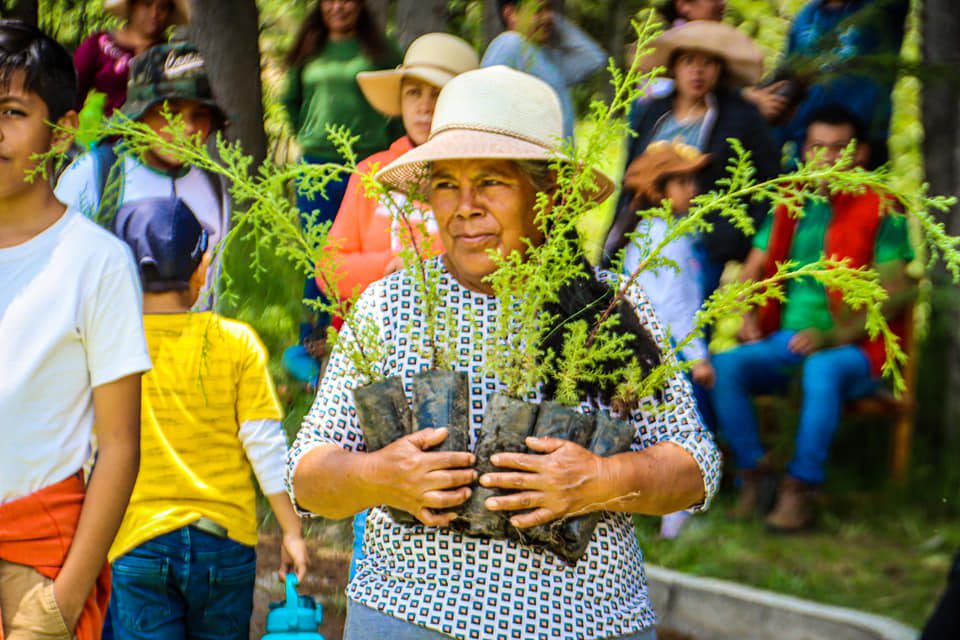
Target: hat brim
x,y
180,14
137,108
743,60
382,88
409,171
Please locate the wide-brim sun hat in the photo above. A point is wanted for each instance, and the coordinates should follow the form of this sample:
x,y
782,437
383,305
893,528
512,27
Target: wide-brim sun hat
x,y
743,59
180,14
491,113
435,58
660,160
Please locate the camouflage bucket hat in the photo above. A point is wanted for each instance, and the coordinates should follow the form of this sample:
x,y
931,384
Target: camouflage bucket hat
x,y
169,72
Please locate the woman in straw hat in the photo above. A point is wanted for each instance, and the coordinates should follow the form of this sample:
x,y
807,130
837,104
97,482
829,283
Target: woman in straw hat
x,y
365,231
709,61
494,132
103,59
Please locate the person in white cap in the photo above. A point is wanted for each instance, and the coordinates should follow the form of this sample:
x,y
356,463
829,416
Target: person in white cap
x,y
494,132
366,232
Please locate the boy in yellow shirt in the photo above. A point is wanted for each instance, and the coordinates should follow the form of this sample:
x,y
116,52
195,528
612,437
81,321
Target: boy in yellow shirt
x,y
183,561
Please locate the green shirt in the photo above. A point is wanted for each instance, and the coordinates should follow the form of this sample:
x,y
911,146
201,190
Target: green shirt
x,y
324,90
807,305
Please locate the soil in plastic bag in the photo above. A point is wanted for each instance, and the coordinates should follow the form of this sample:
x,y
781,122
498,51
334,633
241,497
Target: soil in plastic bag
x,y
556,421
610,437
385,417
440,399
507,422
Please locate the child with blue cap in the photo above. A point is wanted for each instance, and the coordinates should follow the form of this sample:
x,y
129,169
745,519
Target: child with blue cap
x,y
209,414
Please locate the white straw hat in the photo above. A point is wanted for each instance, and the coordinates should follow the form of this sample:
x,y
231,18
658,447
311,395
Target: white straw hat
x,y
180,14
494,112
742,58
434,58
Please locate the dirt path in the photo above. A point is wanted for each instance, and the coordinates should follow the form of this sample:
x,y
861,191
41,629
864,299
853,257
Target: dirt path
x,y
325,582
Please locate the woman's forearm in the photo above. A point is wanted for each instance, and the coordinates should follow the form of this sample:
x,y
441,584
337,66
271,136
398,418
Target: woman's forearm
x,y
332,482
660,479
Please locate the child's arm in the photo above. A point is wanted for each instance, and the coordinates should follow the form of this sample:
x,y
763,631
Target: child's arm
x,y
266,446
116,406
293,551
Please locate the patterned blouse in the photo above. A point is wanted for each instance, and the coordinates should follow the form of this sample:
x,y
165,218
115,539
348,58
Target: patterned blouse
x,y
481,588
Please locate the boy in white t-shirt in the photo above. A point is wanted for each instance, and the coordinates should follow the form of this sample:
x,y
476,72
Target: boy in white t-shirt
x,y
171,77
72,350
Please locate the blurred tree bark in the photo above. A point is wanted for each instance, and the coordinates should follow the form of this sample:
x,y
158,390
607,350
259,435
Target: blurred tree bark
x,y
417,17
380,9
25,10
492,25
940,371
227,34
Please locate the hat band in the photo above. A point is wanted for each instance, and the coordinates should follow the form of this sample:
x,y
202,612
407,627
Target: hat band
x,y
497,130
427,65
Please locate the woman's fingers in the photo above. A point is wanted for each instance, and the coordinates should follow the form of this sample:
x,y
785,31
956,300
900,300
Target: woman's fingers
x,y
513,481
515,501
433,519
444,499
450,478
533,518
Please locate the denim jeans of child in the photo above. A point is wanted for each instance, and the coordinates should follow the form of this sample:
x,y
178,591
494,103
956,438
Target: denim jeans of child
x,y
364,622
184,584
359,525
829,378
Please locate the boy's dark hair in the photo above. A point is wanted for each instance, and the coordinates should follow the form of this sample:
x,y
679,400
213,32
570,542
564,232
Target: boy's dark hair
x,y
47,67
838,115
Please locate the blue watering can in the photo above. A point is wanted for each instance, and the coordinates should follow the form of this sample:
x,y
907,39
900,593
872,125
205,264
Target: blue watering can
x,y
295,619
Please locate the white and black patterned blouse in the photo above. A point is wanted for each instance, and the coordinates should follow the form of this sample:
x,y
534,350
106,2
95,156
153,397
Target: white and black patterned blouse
x,y
479,588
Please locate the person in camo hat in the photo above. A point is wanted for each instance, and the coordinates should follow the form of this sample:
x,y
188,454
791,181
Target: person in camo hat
x,y
165,81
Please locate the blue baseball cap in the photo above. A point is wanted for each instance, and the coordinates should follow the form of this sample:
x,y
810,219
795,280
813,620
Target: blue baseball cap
x,y
168,241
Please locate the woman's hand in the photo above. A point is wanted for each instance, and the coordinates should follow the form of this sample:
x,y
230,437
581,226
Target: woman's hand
x,y
704,374
419,481
567,480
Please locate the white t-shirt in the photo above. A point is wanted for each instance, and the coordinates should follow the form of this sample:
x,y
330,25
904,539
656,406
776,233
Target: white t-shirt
x,y
79,189
71,320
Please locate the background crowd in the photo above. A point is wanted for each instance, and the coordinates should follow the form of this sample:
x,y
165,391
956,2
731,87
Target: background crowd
x,y
826,98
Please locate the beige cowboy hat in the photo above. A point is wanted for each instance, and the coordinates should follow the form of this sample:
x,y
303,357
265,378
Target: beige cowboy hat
x,y
434,58
743,59
180,14
494,112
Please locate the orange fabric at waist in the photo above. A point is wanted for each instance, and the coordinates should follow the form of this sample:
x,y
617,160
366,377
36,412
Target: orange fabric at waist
x,y
37,531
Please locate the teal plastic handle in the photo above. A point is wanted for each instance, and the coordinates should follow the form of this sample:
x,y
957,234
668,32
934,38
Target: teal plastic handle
x,y
293,598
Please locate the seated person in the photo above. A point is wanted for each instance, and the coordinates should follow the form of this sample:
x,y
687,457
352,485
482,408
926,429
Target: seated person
x,y
812,333
851,46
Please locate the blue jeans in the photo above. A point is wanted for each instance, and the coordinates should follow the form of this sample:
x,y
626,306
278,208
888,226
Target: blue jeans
x,y
364,622
829,378
325,210
184,584
359,525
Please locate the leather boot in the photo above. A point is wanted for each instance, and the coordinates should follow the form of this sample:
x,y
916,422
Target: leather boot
x,y
757,488
794,509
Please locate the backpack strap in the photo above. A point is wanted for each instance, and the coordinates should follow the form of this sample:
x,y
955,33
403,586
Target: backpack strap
x,y
108,165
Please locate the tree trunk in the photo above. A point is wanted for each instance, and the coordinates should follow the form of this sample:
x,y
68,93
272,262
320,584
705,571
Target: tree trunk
x,y
417,17
380,10
227,34
492,24
940,371
25,10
